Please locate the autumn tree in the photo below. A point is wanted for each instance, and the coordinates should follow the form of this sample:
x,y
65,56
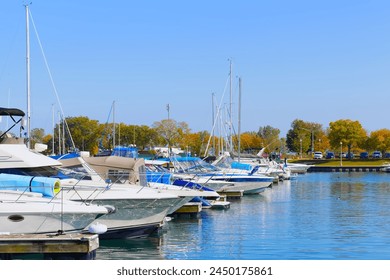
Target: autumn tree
x,y
195,142
349,133
251,141
380,140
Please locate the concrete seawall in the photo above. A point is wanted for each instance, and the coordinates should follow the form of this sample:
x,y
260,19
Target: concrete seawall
x,y
345,169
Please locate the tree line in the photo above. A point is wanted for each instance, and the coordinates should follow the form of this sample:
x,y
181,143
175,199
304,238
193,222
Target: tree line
x,y
303,137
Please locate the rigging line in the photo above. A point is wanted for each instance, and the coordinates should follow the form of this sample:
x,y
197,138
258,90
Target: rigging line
x,y
108,118
51,77
215,121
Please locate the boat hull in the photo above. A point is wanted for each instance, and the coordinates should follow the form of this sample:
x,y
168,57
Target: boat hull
x,y
137,211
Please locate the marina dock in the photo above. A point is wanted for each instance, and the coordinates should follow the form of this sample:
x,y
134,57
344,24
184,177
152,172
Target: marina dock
x,y
345,169
191,209
76,246
231,194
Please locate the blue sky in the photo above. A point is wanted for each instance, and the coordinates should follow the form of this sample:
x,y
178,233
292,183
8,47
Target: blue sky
x,y
318,61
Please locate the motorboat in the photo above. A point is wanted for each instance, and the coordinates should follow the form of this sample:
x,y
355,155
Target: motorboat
x,y
232,180
278,172
139,211
24,211
298,168
151,174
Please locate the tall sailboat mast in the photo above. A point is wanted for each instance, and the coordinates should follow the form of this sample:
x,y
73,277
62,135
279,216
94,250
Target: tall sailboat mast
x,y
113,121
28,75
231,111
239,120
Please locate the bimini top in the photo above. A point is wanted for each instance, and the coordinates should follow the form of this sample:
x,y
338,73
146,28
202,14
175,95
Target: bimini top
x,y
11,112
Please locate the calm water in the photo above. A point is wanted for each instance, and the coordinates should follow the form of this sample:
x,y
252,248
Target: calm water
x,y
342,216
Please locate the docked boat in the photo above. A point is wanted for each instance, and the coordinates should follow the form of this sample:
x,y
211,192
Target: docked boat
x,y
260,166
298,168
205,173
130,171
385,167
138,211
28,212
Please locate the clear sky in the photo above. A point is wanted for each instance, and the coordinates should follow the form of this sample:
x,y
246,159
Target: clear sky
x,y
318,61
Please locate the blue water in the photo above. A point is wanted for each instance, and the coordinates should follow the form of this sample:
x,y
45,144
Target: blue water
x,y
318,216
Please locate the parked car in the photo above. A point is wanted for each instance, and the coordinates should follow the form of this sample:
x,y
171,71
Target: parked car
x,y
377,154
350,155
329,155
342,155
364,155
318,155
386,155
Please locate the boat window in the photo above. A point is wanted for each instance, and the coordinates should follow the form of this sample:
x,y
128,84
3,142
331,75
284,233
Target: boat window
x,y
45,171
75,172
16,218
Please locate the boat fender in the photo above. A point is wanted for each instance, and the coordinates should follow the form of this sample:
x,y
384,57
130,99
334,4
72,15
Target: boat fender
x,y
97,228
111,209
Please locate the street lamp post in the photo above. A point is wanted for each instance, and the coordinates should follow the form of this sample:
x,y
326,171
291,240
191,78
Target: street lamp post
x,y
341,153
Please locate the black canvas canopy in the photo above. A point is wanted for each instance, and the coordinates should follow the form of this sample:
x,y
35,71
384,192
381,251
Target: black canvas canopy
x,y
12,112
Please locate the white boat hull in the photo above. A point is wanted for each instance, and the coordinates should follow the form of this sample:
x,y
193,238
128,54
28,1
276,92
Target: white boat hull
x,y
34,214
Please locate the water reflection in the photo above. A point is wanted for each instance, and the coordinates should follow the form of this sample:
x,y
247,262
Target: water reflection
x,y
316,216
130,249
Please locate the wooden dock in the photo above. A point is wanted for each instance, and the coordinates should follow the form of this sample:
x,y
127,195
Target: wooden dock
x,y
49,246
190,208
231,194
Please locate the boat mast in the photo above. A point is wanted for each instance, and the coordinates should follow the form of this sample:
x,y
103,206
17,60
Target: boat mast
x,y
239,119
28,74
113,121
230,110
213,120
59,134
54,129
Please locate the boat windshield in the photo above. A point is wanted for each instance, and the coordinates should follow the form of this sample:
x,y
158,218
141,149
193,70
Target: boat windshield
x,y
192,165
44,171
76,172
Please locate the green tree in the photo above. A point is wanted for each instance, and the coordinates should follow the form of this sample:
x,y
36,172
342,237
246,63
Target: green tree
x,y
270,136
349,133
83,132
305,135
36,136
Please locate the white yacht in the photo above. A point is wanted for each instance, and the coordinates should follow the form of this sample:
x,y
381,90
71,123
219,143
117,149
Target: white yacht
x,y
232,180
138,211
31,212
150,174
